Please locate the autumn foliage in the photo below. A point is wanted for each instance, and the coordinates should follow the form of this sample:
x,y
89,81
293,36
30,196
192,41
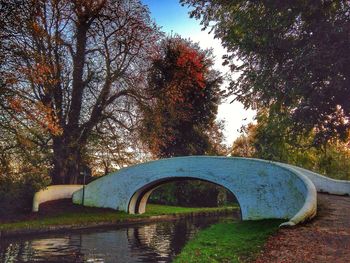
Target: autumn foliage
x,y
185,95
37,113
69,68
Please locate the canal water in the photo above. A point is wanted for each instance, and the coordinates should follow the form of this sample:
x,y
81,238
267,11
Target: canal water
x,y
152,242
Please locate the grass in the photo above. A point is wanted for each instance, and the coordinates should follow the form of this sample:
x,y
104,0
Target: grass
x,y
68,218
153,209
228,242
87,216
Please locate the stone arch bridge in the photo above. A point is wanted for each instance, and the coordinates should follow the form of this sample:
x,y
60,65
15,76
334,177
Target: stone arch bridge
x,y
263,189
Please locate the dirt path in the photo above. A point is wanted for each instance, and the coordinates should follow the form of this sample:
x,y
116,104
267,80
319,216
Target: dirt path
x,y
325,239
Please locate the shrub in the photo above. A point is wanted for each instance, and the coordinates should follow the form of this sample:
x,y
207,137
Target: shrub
x,y
16,192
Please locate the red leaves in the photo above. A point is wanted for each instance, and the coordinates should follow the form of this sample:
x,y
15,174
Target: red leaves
x,y
192,64
184,69
183,104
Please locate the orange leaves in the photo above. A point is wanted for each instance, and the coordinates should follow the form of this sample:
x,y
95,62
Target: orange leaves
x,y
38,113
41,74
24,141
47,118
15,104
38,30
9,78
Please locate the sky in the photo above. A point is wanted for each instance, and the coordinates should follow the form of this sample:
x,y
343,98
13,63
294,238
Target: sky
x,y
174,19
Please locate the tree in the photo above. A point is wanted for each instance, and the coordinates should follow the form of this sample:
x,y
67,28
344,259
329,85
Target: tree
x,y
243,146
71,66
270,139
180,118
216,139
24,166
111,148
185,92
291,54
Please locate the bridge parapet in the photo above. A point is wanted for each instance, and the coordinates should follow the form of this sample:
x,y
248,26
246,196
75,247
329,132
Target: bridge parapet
x,y
322,183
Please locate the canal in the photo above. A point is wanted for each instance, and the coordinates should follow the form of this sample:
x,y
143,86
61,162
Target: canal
x,y
152,242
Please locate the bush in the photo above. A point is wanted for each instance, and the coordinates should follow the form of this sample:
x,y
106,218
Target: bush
x,y
16,193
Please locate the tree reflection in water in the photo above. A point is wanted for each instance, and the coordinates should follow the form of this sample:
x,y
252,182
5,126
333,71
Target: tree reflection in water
x,y
156,242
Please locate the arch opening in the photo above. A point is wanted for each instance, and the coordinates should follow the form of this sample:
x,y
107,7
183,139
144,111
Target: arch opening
x,y
139,200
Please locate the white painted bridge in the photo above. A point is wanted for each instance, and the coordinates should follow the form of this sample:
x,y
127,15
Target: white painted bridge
x,y
264,189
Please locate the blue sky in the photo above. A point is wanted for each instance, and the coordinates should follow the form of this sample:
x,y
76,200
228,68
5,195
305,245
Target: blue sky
x,y
173,18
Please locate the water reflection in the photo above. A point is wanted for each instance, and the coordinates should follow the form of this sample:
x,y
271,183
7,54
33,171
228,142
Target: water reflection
x,y
156,242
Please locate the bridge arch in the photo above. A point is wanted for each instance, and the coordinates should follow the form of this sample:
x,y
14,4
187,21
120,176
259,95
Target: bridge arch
x,y
263,189
138,202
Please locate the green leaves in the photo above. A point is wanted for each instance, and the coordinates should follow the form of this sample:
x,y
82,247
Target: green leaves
x,y
292,53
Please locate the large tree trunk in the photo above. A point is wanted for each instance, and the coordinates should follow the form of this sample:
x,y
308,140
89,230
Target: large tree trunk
x,y
67,161
59,158
71,70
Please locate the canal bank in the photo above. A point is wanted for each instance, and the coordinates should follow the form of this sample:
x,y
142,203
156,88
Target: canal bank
x,y
156,242
60,217
229,241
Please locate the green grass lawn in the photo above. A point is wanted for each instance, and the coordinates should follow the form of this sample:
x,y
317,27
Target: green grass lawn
x,y
85,216
153,209
228,242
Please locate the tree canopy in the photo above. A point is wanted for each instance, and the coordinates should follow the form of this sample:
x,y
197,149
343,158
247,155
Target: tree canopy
x,y
186,94
70,68
270,139
291,54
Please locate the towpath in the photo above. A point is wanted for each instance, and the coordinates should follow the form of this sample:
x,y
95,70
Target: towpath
x,y
325,239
